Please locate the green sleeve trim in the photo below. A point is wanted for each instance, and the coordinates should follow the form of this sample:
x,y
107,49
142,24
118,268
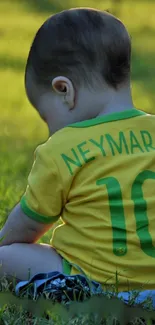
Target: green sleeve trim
x,y
34,215
108,118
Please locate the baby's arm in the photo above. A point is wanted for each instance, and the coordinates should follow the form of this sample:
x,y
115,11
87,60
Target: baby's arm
x,y
41,204
19,228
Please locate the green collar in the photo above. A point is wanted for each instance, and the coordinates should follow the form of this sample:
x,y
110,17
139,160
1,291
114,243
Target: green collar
x,y
108,118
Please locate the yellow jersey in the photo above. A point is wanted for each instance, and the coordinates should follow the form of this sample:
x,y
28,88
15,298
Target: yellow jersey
x,y
99,177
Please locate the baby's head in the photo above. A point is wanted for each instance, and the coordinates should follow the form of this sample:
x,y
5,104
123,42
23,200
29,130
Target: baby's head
x,y
79,60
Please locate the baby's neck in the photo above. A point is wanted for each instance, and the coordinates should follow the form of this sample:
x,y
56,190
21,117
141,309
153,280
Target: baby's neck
x,y
118,101
115,109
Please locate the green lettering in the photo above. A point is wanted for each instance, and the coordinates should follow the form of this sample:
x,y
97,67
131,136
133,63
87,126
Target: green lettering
x,y
99,144
68,161
117,214
118,146
134,142
147,140
84,152
140,209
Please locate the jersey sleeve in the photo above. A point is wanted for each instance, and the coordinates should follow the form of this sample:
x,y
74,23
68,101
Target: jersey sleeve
x,y
43,198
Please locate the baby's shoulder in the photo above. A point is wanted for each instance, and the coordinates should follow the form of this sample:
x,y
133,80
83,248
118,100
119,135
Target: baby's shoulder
x,y
59,140
61,136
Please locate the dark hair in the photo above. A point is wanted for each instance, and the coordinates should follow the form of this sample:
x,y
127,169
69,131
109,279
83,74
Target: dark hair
x,y
81,44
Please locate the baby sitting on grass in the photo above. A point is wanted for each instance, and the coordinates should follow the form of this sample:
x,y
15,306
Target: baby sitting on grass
x,y
97,169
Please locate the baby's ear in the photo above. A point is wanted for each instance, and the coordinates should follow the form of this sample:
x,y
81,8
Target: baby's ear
x,y
59,87
64,87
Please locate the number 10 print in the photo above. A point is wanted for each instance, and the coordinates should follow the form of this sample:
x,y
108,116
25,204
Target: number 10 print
x,y
140,212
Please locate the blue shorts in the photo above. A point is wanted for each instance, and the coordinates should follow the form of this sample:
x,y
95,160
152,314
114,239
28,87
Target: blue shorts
x,y
126,296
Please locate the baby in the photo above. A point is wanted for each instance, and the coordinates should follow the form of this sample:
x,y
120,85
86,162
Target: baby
x,y
97,169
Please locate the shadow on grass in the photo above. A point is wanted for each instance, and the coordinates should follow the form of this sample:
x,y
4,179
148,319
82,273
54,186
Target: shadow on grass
x,y
145,30
8,62
47,6
53,6
143,67
143,72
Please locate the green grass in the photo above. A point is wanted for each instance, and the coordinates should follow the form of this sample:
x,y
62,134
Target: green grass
x,y
21,129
